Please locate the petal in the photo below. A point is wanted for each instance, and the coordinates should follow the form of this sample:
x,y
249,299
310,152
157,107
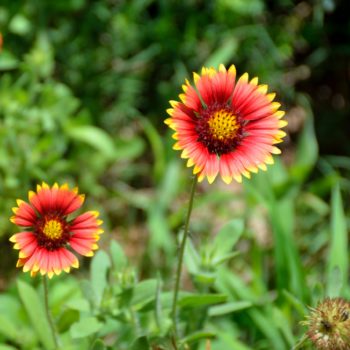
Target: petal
x,y
24,213
70,257
211,168
225,171
191,99
83,246
28,249
31,261
22,237
86,220
216,87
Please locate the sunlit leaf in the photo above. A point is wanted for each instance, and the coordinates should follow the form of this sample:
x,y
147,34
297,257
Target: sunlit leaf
x,y
99,268
228,308
196,300
93,136
85,327
197,336
34,307
337,265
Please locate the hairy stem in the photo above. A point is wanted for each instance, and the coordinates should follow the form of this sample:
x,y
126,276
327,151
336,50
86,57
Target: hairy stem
x,y
181,255
48,313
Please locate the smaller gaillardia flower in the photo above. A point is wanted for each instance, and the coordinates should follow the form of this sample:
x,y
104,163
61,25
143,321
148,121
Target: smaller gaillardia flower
x,y
224,126
49,234
329,325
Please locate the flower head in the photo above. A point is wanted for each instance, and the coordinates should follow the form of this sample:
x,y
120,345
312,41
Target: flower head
x,y
48,235
329,325
226,127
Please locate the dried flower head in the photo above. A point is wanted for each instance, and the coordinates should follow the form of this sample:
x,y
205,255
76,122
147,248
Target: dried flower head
x,y
329,325
48,235
224,126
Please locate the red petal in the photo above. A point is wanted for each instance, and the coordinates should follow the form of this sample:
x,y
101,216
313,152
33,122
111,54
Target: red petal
x,y
26,212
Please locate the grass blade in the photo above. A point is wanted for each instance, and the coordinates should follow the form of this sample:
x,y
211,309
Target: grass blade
x,y
337,266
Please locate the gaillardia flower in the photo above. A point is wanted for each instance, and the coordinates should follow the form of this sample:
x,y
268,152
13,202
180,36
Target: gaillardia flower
x,y
48,236
226,127
329,325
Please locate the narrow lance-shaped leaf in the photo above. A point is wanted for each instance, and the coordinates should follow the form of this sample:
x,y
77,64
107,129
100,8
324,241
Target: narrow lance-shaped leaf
x,y
35,309
337,266
99,268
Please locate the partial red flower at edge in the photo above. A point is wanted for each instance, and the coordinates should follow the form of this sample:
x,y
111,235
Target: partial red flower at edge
x,y
48,236
226,127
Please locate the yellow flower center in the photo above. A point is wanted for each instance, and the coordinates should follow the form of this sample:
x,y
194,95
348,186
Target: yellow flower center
x,y
53,229
223,125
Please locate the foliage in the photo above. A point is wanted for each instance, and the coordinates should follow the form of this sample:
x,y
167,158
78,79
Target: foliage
x,y
83,93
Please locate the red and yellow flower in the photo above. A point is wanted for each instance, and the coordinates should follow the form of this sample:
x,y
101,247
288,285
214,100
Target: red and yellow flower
x,y
48,238
226,127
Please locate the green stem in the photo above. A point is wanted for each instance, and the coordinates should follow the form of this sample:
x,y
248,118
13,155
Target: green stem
x,y
181,254
48,313
300,343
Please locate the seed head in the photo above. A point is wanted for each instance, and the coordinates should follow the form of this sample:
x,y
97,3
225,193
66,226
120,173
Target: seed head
x,y
329,324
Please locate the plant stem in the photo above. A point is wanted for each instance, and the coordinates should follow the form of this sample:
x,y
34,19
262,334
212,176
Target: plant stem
x,y
300,343
181,254
48,313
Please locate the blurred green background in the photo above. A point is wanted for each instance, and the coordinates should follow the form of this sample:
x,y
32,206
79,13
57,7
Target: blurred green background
x,y
83,91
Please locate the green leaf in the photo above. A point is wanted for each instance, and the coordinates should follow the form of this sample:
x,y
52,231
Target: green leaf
x,y
143,293
195,300
227,237
109,327
7,61
221,259
7,347
260,318
85,327
307,148
129,149
197,336
228,308
166,301
243,8
205,278
119,259
88,292
34,307
158,304
140,344
192,259
67,318
335,282
8,329
78,304
157,147
297,304
93,136
99,268
337,266
223,54
161,237
281,322
98,345
20,25
289,269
